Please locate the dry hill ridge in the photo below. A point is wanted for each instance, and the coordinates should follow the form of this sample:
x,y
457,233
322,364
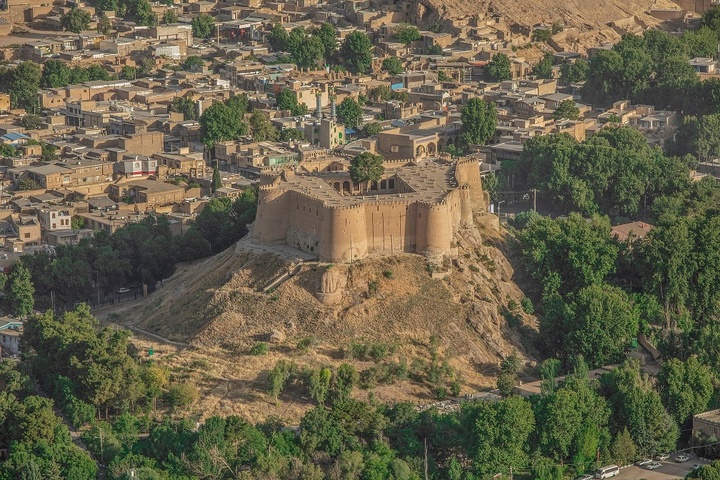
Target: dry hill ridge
x,y
220,307
587,23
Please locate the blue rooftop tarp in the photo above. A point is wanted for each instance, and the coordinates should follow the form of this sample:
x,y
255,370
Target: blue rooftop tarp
x,y
13,137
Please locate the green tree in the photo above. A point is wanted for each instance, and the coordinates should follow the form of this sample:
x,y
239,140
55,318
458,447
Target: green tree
x,y
637,406
357,51
434,50
700,43
104,24
128,73
291,134
220,123
498,434
169,16
406,33
574,72
350,113
192,63
571,418
685,387
372,129
203,26
568,254
604,325
222,222
543,69
566,110
24,86
479,119
96,72
8,151
319,384
328,37
216,180
186,106
49,153
181,395
279,38
345,379
287,100
144,14
31,122
623,451
76,20
711,19
21,291
261,128
308,51
393,65
498,68
366,167
55,74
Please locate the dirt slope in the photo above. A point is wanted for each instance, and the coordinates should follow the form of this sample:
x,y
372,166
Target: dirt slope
x,y
220,308
581,14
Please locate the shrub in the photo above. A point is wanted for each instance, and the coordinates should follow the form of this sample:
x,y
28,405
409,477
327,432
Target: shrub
x,y
513,305
305,344
441,393
388,274
181,395
260,348
365,351
373,287
527,305
474,268
455,388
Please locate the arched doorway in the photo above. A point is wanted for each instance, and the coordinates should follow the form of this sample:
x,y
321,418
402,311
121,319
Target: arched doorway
x,y
346,187
431,148
420,150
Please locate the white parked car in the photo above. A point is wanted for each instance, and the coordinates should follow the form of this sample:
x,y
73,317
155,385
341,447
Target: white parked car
x,y
653,465
682,457
643,462
122,290
662,456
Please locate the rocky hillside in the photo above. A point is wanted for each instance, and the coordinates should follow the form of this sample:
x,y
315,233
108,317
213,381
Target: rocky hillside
x,y
587,23
222,306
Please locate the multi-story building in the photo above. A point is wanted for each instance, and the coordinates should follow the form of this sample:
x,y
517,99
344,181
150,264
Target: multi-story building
x,y
55,218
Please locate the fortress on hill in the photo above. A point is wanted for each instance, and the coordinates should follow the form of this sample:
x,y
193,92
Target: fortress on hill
x,y
414,208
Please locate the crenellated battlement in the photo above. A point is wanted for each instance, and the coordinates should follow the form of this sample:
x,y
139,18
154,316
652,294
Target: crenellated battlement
x,y
308,212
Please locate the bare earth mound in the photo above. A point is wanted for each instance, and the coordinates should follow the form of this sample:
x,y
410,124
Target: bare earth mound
x,y
581,14
222,308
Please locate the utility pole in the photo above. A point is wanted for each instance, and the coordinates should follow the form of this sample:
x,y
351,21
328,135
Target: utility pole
x,y
534,190
426,460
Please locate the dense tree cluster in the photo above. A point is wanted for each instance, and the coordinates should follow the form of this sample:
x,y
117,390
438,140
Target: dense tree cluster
x,y
615,172
38,444
144,252
652,69
307,48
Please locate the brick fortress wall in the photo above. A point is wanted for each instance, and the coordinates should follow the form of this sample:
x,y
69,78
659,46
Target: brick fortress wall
x,y
376,225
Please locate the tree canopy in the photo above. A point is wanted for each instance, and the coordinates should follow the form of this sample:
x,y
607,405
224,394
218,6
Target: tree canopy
x,y
76,20
498,68
350,113
479,120
366,167
357,52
